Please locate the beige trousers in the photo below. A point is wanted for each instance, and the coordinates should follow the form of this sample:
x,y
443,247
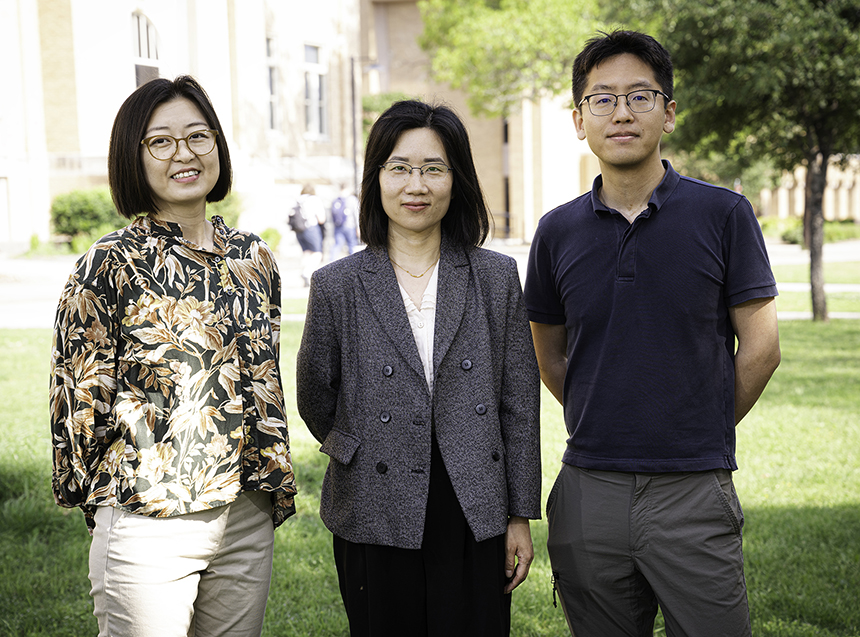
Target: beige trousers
x,y
200,574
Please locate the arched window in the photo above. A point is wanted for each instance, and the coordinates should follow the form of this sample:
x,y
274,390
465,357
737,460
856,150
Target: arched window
x,y
145,41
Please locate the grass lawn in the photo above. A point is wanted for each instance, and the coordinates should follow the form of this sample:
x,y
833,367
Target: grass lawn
x,y
799,452
836,272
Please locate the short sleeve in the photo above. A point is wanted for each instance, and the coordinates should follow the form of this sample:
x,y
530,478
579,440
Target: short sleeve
x,y
541,292
748,272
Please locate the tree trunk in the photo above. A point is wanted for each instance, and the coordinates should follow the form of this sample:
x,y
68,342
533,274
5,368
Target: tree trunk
x,y
816,180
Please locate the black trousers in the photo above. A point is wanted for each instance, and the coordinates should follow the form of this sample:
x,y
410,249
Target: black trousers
x,y
451,586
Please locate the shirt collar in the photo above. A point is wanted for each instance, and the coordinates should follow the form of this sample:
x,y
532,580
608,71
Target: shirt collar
x,y
658,197
161,228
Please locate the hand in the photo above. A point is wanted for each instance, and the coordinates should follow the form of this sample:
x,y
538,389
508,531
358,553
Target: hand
x,y
519,552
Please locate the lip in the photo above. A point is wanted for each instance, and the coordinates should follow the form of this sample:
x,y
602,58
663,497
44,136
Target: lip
x,y
623,136
415,206
186,176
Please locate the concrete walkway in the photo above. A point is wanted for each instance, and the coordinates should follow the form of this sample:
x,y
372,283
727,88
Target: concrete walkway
x,y
30,288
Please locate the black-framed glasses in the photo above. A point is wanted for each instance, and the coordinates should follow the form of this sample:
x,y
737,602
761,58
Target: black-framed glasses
x,y
402,170
164,147
641,101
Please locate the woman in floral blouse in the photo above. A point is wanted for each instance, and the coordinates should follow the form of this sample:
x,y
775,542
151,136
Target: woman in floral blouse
x,y
167,412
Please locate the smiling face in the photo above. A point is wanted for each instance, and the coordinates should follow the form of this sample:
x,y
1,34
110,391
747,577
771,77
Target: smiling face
x,y
416,206
180,184
624,139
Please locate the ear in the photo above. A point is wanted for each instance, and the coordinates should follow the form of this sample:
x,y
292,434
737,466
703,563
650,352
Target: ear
x,y
669,122
578,124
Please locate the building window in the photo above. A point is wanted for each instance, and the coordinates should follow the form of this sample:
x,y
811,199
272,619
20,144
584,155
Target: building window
x,y
315,93
273,82
145,42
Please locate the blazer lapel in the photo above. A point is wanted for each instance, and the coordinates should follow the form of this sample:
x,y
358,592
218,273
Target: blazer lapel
x,y
383,293
450,298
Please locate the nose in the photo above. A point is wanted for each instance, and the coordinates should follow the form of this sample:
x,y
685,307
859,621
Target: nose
x,y
622,110
183,155
415,181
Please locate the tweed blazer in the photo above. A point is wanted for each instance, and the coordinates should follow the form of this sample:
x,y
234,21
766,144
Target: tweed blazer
x,y
363,394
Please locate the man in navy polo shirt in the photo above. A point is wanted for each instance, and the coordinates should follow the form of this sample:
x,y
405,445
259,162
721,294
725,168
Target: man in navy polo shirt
x,y
652,308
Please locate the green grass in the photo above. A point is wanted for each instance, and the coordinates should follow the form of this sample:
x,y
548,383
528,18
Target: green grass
x,y
294,306
802,302
834,272
799,452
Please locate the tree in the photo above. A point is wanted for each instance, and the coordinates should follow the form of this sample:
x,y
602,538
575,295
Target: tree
x,y
774,78
503,51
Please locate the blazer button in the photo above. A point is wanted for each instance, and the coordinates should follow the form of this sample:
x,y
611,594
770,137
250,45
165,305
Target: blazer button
x,y
387,370
385,416
480,409
466,364
381,467
497,456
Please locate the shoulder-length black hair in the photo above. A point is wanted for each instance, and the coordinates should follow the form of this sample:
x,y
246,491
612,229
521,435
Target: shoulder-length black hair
x,y
131,192
467,222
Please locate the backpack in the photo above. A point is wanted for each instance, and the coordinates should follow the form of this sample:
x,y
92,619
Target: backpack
x,y
338,212
297,219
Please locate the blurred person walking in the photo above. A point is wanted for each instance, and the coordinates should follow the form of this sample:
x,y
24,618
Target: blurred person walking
x,y
344,217
308,221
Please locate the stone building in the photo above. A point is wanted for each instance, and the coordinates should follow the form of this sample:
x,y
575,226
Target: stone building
x,y
528,164
277,71
287,80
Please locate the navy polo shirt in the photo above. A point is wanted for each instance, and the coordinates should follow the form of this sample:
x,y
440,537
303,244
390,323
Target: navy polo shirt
x,y
650,377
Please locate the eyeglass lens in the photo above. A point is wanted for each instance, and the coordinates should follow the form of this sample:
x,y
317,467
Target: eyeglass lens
x,y
164,146
637,101
428,171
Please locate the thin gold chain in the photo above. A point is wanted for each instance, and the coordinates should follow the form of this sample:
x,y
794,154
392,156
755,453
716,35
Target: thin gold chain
x,y
414,276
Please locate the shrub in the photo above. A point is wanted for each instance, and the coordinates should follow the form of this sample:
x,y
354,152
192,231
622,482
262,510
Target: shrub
x,y
790,230
841,230
793,234
82,212
229,208
272,238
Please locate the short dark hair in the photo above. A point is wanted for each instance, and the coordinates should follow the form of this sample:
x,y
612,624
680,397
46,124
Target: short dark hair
x,y
467,222
131,192
608,45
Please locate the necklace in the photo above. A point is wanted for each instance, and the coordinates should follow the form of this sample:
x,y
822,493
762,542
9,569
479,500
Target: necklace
x,y
414,276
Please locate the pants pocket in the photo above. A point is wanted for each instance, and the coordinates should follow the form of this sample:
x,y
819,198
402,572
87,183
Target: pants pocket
x,y
553,494
725,490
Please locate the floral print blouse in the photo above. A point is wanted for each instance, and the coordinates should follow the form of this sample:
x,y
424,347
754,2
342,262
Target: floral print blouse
x,y
166,393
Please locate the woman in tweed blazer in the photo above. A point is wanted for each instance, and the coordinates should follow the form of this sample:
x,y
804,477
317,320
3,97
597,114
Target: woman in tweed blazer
x,y
417,374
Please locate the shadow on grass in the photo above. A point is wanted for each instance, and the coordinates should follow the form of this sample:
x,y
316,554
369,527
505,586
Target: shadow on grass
x,y
803,570
44,588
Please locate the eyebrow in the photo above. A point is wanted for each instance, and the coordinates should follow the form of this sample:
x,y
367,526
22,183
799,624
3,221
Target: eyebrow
x,y
427,160
187,126
633,87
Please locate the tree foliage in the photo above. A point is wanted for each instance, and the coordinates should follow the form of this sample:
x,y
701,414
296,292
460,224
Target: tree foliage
x,y
771,78
372,106
501,51
779,78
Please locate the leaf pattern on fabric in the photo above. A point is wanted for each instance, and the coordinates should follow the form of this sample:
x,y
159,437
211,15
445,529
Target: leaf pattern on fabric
x,y
165,395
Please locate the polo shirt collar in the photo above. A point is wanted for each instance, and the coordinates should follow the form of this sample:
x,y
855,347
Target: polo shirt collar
x,y
658,197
